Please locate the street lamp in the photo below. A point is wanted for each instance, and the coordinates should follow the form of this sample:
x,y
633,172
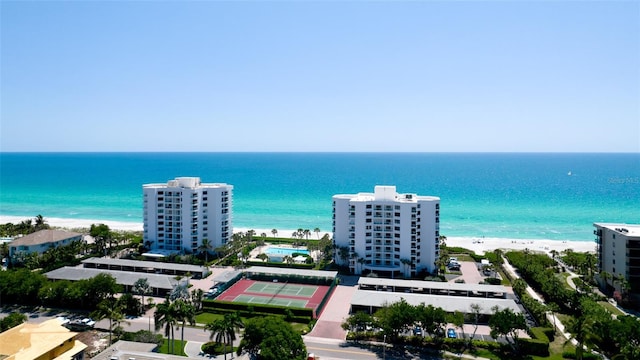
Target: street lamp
x,y
384,348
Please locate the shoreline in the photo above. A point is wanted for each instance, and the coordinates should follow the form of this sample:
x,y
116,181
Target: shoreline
x,y
478,244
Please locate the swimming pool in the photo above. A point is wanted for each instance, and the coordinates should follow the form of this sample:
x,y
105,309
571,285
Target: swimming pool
x,y
284,251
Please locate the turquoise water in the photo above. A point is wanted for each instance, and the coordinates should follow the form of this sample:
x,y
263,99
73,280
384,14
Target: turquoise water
x,y
284,251
525,196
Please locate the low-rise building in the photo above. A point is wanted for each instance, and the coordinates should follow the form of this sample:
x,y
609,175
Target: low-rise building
x,y
41,241
48,340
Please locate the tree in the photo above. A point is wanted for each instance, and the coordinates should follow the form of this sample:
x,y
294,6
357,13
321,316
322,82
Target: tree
x,y
196,298
165,316
357,322
109,309
101,235
406,263
98,288
306,233
205,247
317,231
185,312
457,319
12,320
273,339
432,319
396,318
274,232
507,323
40,223
475,315
224,330
287,259
180,291
141,287
262,256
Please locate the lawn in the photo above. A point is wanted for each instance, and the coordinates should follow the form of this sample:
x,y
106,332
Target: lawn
x,y
612,309
178,347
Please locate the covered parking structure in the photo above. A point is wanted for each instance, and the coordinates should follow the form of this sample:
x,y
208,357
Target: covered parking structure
x,y
370,300
298,276
149,267
160,284
432,288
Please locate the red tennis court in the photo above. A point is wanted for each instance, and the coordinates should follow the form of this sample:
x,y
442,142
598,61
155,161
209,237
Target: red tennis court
x,y
276,293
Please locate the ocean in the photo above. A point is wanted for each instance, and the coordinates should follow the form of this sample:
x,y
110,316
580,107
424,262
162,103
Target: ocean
x,y
504,195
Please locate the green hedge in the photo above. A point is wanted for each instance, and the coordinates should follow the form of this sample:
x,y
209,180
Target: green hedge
x,y
213,305
281,265
585,356
534,347
542,333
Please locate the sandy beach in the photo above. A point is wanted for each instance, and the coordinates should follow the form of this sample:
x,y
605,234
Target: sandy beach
x,y
477,244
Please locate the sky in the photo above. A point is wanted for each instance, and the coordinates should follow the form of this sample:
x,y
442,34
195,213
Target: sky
x,y
320,76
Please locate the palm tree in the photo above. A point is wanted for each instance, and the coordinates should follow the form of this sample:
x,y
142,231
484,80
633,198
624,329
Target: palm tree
x,y
606,276
306,233
581,329
264,257
317,231
224,330
184,312
205,247
406,263
109,309
141,287
165,315
361,262
274,232
287,259
40,223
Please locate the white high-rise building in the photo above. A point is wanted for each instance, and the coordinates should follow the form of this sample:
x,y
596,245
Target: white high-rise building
x,y
618,247
386,232
178,215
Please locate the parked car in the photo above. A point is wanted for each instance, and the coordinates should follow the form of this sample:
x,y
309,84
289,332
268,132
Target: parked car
x,y
417,331
451,334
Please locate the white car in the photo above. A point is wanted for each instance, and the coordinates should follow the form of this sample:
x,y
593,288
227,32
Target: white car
x,y
88,322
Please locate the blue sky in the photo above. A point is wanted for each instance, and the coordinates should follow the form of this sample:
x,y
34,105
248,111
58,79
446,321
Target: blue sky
x,y
320,76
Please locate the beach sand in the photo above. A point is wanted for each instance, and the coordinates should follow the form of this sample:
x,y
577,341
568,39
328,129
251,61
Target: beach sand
x,y
478,244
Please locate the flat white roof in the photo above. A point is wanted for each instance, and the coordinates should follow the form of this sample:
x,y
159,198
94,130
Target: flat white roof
x,y
419,284
146,264
447,303
632,230
122,277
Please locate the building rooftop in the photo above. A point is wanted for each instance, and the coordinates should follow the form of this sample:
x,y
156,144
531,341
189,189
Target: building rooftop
x,y
435,285
166,282
631,230
146,264
30,341
124,350
185,182
292,271
43,237
447,303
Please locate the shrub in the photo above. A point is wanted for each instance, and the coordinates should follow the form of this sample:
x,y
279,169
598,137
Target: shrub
x,y
493,281
585,356
534,347
540,333
213,348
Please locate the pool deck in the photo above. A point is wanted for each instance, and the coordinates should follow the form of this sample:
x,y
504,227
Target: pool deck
x,y
262,249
